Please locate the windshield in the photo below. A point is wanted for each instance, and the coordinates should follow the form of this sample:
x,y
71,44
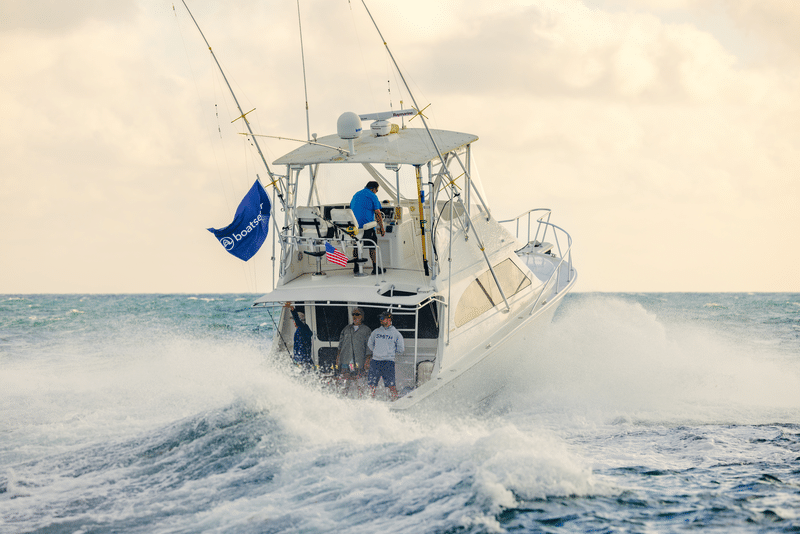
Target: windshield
x,y
335,184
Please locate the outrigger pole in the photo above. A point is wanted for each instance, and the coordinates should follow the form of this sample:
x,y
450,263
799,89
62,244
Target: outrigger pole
x,y
276,179
444,167
430,135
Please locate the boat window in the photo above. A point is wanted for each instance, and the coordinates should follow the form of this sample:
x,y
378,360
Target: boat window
x,y
371,315
482,294
330,319
403,320
336,184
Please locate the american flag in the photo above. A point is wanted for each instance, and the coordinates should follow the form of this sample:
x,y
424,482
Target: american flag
x,y
334,256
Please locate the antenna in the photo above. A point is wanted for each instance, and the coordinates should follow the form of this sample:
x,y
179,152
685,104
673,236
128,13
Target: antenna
x,y
303,59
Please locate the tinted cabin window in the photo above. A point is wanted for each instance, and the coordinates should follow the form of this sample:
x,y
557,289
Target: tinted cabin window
x,y
371,316
429,322
403,320
330,320
483,294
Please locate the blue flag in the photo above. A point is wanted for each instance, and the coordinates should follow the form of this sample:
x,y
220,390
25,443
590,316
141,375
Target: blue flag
x,y
245,235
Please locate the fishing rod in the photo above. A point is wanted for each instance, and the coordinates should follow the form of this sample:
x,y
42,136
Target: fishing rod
x,y
303,59
410,93
276,179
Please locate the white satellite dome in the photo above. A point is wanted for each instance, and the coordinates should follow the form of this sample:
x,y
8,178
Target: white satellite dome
x,y
348,126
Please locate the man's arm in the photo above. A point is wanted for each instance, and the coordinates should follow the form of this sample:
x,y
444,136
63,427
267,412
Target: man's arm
x,y
379,220
305,330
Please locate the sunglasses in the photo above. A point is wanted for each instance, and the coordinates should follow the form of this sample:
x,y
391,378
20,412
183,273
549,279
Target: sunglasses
x,y
356,315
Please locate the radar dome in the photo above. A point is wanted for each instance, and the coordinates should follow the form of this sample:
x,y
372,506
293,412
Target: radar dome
x,y
348,126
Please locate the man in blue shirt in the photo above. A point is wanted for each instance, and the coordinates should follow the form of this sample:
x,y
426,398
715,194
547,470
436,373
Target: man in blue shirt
x,y
367,208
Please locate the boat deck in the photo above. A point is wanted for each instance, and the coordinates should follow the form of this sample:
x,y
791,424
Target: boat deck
x,y
395,286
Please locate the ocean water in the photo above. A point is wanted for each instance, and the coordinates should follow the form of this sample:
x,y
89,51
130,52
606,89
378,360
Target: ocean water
x,y
166,413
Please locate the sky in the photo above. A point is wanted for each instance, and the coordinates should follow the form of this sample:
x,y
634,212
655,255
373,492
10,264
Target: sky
x,y
663,134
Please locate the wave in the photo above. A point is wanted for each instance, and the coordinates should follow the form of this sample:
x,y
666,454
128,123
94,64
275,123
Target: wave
x,y
215,436
614,358
288,456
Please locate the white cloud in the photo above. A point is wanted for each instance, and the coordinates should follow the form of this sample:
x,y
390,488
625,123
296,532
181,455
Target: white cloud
x,y
774,20
59,16
658,147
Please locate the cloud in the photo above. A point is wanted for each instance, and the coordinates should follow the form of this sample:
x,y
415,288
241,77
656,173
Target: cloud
x,y
59,16
660,148
774,20
640,128
772,23
580,52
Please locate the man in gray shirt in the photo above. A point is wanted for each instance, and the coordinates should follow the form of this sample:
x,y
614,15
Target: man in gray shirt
x,y
352,351
385,343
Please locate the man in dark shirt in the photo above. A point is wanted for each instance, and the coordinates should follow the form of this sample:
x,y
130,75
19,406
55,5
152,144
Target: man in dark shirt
x,y
301,353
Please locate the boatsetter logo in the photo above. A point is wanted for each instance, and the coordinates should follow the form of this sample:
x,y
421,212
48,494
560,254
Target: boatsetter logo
x,y
229,243
245,235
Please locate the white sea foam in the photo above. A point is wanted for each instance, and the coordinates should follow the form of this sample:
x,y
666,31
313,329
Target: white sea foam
x,y
121,387
613,358
355,457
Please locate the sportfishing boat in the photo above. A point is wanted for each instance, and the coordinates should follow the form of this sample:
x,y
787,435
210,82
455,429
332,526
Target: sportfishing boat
x,y
459,284
468,292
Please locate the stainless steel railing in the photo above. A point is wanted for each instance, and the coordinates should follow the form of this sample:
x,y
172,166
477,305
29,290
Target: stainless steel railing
x,y
542,225
292,243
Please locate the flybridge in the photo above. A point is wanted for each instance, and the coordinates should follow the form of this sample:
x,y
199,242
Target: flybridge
x,y
411,146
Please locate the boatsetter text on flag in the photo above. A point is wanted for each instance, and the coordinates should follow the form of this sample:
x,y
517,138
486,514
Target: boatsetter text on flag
x,y
245,235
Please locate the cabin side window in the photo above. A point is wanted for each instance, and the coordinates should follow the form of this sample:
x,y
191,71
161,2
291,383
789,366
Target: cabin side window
x,y
330,319
428,326
482,294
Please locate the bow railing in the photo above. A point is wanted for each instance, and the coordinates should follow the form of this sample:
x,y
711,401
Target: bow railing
x,y
535,230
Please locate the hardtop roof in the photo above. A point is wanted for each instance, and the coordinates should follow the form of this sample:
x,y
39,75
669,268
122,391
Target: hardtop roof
x,y
410,146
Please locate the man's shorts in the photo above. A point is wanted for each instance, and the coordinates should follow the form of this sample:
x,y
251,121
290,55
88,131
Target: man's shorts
x,y
381,369
371,235
347,372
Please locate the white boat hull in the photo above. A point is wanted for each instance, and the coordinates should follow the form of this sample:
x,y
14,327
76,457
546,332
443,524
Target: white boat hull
x,y
484,371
